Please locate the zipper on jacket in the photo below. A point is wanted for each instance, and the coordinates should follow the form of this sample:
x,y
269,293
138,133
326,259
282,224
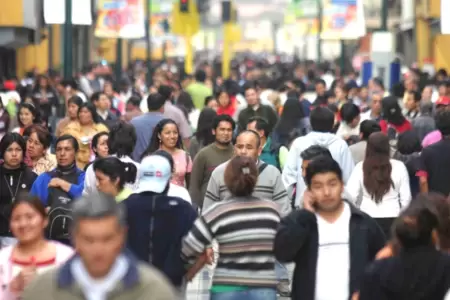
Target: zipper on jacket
x,y
150,244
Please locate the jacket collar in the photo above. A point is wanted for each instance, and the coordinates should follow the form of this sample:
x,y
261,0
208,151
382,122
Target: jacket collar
x,y
66,280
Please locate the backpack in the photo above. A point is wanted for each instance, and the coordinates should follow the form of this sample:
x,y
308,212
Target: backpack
x,y
60,203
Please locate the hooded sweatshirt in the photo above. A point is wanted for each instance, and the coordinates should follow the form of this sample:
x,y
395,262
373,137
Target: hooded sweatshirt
x,y
292,172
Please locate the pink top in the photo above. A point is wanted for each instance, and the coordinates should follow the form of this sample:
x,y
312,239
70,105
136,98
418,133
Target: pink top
x,y
9,268
183,166
431,138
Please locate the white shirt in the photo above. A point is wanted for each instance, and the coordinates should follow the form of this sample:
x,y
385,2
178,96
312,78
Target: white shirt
x,y
333,257
180,192
396,199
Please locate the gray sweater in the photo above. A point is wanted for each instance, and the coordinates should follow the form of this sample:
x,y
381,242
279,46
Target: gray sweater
x,y
269,186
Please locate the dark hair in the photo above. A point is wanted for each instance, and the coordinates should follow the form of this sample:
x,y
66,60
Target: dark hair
x,y
205,125
290,119
408,142
32,201
367,127
122,139
320,81
34,111
68,137
165,91
92,110
10,138
250,86
221,90
75,100
155,101
135,100
200,76
96,96
209,99
168,156
185,100
416,95
42,133
95,138
155,141
377,166
414,227
349,112
314,151
258,138
114,168
322,119
261,124
441,207
320,165
392,112
240,176
378,81
442,120
223,118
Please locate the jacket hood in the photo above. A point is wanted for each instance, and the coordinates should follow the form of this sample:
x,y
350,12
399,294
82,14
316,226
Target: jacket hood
x,y
324,139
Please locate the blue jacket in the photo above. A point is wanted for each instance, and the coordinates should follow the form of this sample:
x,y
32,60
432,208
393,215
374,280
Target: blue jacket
x,y
156,226
269,154
40,187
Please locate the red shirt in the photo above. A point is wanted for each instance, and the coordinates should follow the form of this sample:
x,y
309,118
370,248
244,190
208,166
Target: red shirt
x,y
230,109
405,126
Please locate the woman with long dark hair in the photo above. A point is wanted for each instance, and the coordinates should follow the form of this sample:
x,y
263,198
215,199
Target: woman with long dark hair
x,y
73,105
27,115
166,136
380,185
203,136
45,96
393,122
227,103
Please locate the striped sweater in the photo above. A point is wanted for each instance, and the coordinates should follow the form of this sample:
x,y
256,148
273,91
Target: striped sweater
x,y
245,230
269,186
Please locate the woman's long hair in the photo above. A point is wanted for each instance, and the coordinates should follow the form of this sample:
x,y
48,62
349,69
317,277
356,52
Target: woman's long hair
x,y
289,120
377,166
204,133
155,142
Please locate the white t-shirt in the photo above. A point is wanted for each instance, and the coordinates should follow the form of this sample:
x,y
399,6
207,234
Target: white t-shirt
x,y
333,257
180,192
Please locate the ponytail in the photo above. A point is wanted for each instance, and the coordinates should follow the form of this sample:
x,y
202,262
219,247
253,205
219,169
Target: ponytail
x,y
115,169
130,172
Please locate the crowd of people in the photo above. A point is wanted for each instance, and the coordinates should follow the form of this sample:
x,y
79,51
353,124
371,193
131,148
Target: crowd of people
x,y
134,190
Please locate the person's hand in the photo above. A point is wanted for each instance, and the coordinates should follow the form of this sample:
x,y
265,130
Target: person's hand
x,y
308,201
54,183
209,255
386,252
355,296
25,276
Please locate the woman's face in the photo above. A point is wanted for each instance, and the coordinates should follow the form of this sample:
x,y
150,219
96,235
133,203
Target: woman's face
x,y
169,136
85,116
13,156
43,82
102,146
104,183
213,104
72,111
27,224
224,99
26,117
340,95
35,149
108,89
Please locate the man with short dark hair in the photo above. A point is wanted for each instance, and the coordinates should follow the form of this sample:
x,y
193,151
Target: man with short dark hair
x,y
211,156
145,123
366,128
102,266
269,154
412,105
103,106
330,241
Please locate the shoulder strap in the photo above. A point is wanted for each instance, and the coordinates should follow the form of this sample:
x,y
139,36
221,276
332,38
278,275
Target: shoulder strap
x,y
262,167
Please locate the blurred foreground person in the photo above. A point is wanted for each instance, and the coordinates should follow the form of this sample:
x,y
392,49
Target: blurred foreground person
x,y
102,268
33,254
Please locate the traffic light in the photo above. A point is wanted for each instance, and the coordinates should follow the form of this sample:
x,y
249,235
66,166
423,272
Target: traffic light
x,y
184,6
226,11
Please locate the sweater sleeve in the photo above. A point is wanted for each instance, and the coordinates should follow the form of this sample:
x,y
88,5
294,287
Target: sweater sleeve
x,y
354,184
76,190
347,163
280,196
404,189
212,194
89,182
196,241
197,178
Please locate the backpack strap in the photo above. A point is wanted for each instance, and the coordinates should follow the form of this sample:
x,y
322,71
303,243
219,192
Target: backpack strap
x,y
262,167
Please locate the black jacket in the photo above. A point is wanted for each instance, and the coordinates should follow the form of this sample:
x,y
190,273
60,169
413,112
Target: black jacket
x,y
422,273
264,111
10,178
297,241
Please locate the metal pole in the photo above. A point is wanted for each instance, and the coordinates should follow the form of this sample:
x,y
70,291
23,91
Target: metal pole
x,y
68,41
342,60
148,37
119,54
384,15
319,30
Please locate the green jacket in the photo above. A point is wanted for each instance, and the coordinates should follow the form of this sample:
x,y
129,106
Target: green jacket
x,y
140,283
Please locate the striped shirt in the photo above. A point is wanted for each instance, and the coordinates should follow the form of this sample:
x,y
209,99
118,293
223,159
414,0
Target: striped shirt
x,y
269,186
245,230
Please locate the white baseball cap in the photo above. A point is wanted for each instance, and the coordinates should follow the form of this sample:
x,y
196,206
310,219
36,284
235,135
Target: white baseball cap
x,y
154,174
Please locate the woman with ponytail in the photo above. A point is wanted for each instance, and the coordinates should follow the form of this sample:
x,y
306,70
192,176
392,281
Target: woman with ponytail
x,y
112,174
379,186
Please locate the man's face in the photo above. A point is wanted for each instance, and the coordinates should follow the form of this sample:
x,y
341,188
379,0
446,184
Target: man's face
x,y
376,104
246,145
326,190
410,103
427,93
99,242
305,164
251,96
65,153
252,126
320,89
223,133
103,102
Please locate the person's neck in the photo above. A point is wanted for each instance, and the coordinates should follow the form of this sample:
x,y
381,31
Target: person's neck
x,y
331,216
263,141
169,150
35,159
88,125
66,168
9,167
221,145
374,114
31,248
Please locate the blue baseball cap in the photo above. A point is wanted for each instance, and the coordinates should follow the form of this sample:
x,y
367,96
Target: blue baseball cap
x,y
154,174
